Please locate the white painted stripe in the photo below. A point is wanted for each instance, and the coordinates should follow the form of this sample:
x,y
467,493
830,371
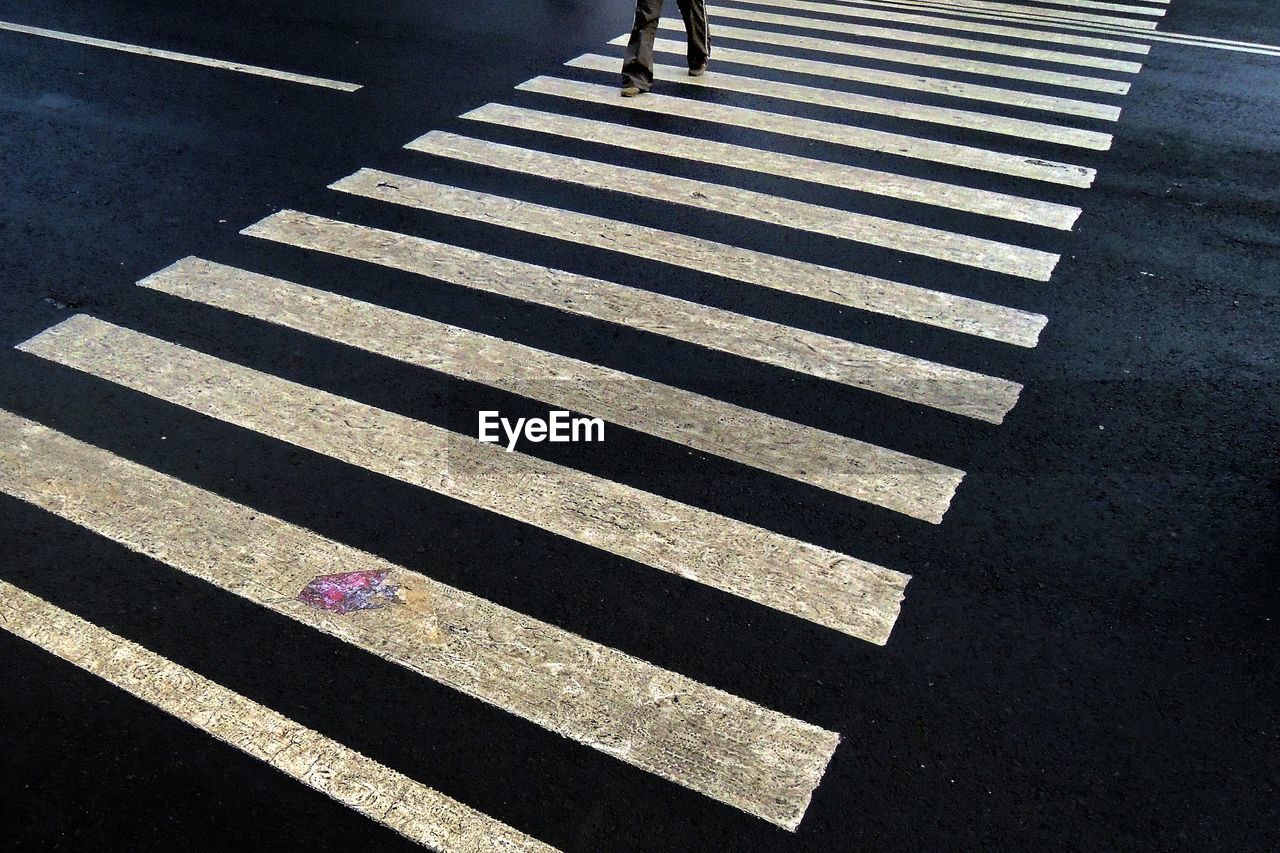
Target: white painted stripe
x,y
952,42
1025,8
824,172
720,259
419,813
951,63
983,11
825,587
897,144
878,77
180,57
1049,5
854,468
735,751
986,122
1178,38
715,328
747,204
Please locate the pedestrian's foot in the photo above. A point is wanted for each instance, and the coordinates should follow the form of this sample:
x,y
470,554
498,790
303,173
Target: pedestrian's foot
x,y
699,71
631,91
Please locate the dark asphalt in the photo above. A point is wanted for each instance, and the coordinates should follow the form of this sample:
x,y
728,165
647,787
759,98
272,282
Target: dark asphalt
x,y
1087,656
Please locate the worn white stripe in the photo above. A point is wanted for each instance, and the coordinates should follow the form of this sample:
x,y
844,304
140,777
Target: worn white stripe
x,y
981,11
747,204
970,91
897,144
854,468
824,172
947,116
1128,10
725,747
720,259
1050,4
749,337
913,58
953,42
1177,38
419,813
831,589
180,57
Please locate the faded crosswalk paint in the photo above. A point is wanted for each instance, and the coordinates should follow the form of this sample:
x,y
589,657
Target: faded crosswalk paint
x,y
831,589
982,11
899,145
946,116
1039,54
748,204
1028,9
735,751
843,465
753,59
417,812
749,337
902,79
668,247
821,172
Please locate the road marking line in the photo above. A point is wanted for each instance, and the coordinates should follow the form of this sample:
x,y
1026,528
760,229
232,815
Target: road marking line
x,y
1176,38
419,813
728,748
720,259
897,144
907,237
913,82
1041,4
180,57
840,592
906,57
980,11
954,42
854,468
1018,8
715,328
824,172
1021,128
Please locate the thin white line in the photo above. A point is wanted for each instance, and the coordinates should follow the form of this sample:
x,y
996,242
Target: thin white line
x,y
731,262
1000,48
181,57
715,743
824,172
981,11
715,328
831,589
951,63
419,813
947,116
853,468
879,77
896,144
747,204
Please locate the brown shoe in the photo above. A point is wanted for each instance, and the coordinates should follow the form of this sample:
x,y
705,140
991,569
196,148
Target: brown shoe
x,y
699,71
631,91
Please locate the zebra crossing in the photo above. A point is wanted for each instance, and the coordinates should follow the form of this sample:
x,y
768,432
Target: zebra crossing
x,y
737,752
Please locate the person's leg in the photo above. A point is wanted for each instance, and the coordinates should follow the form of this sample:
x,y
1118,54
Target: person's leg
x,y
637,68
694,13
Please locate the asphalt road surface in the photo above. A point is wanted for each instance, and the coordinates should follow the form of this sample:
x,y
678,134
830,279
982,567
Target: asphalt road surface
x,y
936,348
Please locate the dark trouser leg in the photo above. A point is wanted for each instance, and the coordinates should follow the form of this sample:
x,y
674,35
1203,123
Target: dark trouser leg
x,y
695,24
637,68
